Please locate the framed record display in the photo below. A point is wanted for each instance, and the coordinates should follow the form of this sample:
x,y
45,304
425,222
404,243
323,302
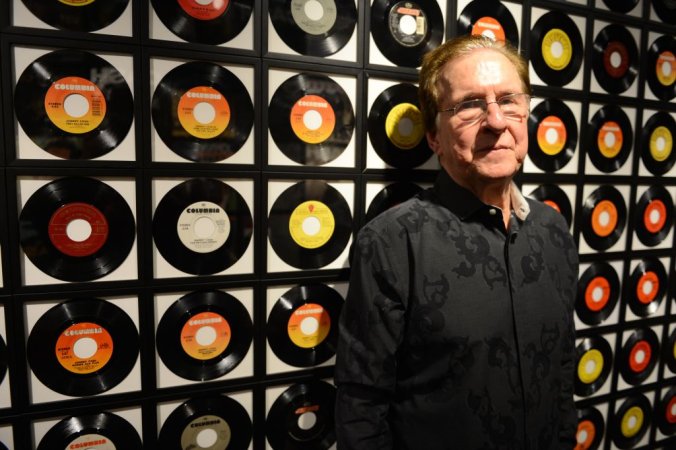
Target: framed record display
x,y
604,218
593,365
598,292
653,217
646,288
615,59
638,357
497,20
658,152
610,139
660,70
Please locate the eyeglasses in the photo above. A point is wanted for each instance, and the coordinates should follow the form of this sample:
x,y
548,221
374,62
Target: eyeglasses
x,y
513,106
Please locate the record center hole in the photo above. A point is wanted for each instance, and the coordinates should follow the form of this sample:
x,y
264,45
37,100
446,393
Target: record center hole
x,y
604,219
312,119
661,144
207,438
631,423
556,49
76,105
615,59
590,367
407,24
309,326
654,217
311,226
85,348
551,136
204,113
314,10
205,336
666,69
597,294
307,420
639,357
405,127
582,437
208,2
647,287
78,230
609,140
673,410
204,227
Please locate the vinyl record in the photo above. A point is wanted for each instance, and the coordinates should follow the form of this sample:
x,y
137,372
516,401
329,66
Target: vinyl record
x,y
202,226
590,429
654,215
552,132
615,58
669,352
639,356
3,359
552,195
631,421
666,10
202,111
314,30
657,143
597,293
604,216
391,195
594,364
560,47
647,286
310,224
665,412
622,6
77,15
609,139
396,129
56,209
83,347
302,327
311,119
301,418
103,431
224,417
73,104
204,335
195,21
661,67
404,31
489,18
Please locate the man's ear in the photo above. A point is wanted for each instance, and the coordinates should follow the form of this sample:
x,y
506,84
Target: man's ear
x,y
433,142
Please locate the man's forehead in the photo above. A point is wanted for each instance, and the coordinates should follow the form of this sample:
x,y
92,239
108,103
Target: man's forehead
x,y
482,67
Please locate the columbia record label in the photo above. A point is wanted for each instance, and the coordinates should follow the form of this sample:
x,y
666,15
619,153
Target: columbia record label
x,y
302,328
390,196
639,355
489,18
552,132
309,224
657,143
665,412
654,215
76,229
204,335
73,104
202,112
594,364
558,48
202,226
609,139
301,418
102,431
590,429
604,216
666,10
204,22
83,347
615,58
647,286
216,422
404,31
311,119
314,27
631,421
597,293
77,15
661,67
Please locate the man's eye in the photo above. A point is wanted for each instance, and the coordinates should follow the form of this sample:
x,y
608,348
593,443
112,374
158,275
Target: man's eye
x,y
471,104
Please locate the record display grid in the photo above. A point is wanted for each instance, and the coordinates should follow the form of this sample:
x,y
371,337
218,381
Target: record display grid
x,y
181,182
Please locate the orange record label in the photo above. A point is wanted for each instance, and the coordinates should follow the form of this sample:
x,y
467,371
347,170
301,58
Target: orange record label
x,y
203,112
312,119
647,287
84,348
75,105
557,49
551,135
661,143
609,139
205,335
597,294
639,356
309,325
552,204
204,11
311,224
586,432
404,126
632,421
489,27
671,410
590,366
77,2
655,216
604,218
666,68
71,213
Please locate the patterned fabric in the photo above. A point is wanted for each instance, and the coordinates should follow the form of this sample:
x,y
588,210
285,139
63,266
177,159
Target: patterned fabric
x,y
458,334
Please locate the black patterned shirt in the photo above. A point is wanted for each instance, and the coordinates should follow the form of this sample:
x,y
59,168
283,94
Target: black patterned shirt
x,y
457,333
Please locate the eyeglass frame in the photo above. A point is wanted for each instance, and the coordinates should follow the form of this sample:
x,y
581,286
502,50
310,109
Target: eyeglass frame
x,y
454,108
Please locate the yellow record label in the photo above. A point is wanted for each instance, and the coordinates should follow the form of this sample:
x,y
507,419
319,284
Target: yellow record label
x,y
632,421
203,112
309,325
666,68
557,50
404,126
75,105
610,139
661,143
590,366
551,135
205,335
312,224
312,119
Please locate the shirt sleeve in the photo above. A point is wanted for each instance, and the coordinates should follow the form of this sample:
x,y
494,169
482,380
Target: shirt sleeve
x,y
371,329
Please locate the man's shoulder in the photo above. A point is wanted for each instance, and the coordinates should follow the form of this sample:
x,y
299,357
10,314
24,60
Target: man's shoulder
x,y
398,216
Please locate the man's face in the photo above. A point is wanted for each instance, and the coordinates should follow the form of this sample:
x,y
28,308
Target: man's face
x,y
489,150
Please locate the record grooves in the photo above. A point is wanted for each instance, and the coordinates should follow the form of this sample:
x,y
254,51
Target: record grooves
x,y
604,216
615,58
489,18
76,15
639,356
610,138
631,421
657,143
654,216
597,293
647,286
594,364
102,431
560,46
661,67
552,131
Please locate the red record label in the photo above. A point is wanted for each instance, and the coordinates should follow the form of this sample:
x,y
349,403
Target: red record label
x,y
616,59
552,204
671,410
70,215
639,356
655,215
597,294
489,27
200,11
586,432
647,287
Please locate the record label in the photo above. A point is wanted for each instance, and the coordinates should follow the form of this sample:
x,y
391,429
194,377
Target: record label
x,y
78,229
586,433
597,294
488,18
551,135
609,139
557,49
203,227
604,218
590,366
75,105
632,422
594,363
616,59
204,10
661,143
193,435
312,119
314,16
205,335
311,224
96,441
309,325
648,287
203,112
640,356
655,216
666,68
84,348
489,27
404,126
407,23
552,132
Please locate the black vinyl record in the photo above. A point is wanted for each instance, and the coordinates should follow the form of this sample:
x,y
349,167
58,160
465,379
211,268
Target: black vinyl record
x,y
310,35
204,335
666,10
191,248
391,195
224,416
597,293
604,216
552,133
654,215
557,48
665,412
302,327
553,196
77,15
54,342
73,104
594,362
647,286
631,421
639,355
621,6
657,143
590,428
308,96
669,352
44,224
404,31
177,107
101,431
3,359
661,67
318,202
298,407
200,23
610,138
489,18
396,129
615,58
